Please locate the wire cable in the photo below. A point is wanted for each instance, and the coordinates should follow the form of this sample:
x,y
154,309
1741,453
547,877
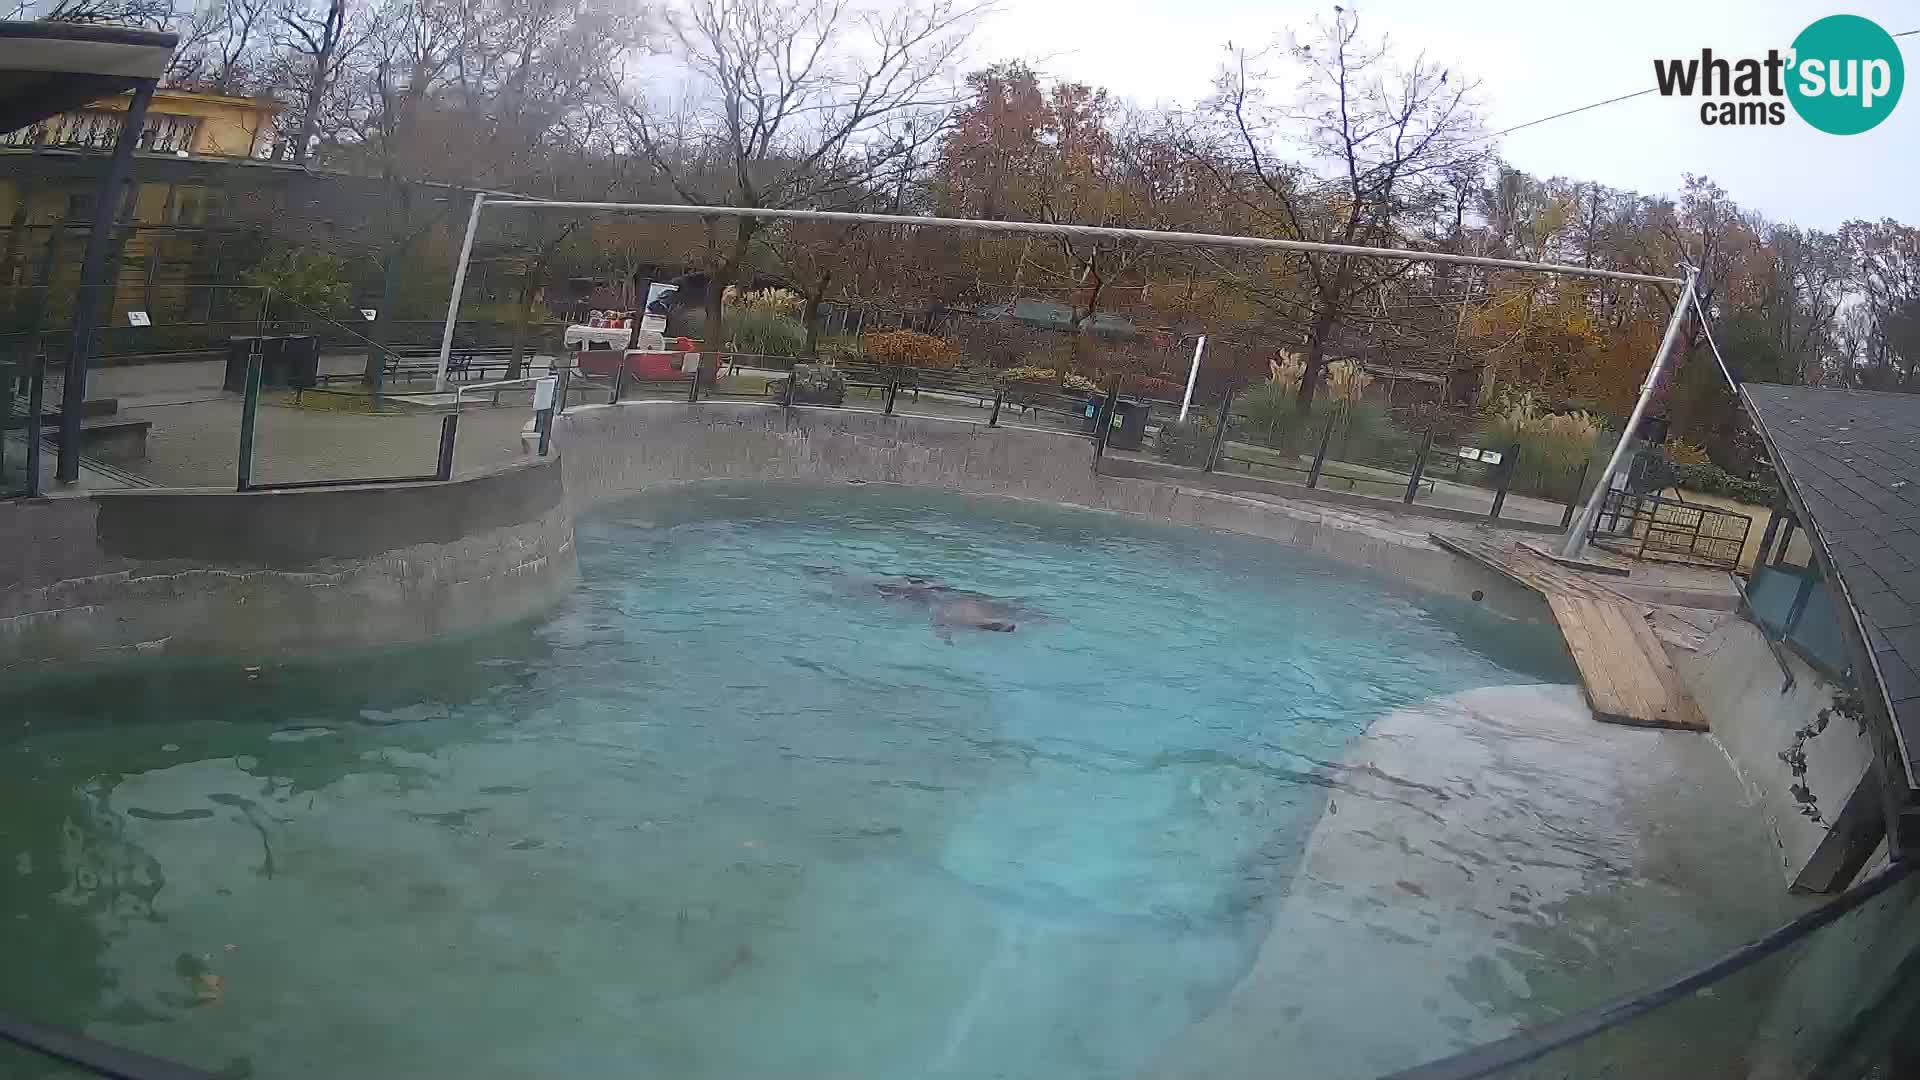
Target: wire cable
x,y
1610,101
1701,309
1569,112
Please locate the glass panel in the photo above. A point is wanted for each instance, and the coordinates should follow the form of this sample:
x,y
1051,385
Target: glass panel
x,y
1815,632
1840,1004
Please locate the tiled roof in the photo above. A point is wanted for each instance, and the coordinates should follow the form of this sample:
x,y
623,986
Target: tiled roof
x,y
1851,462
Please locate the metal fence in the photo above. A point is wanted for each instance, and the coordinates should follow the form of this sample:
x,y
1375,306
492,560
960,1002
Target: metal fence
x,y
23,422
983,397
172,396
1657,527
1334,448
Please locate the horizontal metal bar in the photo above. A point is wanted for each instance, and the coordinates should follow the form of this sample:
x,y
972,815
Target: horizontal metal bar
x,y
292,485
460,388
1156,236
502,384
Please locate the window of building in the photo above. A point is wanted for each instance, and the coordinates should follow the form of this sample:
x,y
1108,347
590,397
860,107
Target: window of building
x,y
188,208
167,134
164,133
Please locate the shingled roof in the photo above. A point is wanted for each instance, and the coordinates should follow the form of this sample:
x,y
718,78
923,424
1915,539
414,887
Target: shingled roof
x,y
1850,464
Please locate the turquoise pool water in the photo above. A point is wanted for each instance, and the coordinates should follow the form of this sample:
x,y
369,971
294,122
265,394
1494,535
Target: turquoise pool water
x,y
731,810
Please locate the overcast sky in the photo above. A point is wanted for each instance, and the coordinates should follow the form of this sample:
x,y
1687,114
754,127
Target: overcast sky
x,y
1533,58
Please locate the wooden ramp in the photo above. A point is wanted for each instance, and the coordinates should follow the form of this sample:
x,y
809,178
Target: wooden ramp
x,y
1625,671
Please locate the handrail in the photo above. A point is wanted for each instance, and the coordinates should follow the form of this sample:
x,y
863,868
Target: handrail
x,y
100,1058
501,384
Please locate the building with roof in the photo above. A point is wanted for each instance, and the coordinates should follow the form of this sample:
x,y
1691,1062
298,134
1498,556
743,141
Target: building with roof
x,y
1849,466
182,122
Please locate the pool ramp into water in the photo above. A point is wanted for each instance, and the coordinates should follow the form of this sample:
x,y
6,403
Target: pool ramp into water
x,y
1625,671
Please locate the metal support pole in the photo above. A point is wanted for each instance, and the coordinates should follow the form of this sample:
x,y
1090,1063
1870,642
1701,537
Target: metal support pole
x,y
1786,541
374,372
1193,373
1566,519
999,394
693,382
619,382
562,386
449,431
1767,537
93,278
1419,466
893,389
1576,543
1320,455
1048,228
786,399
1511,462
1220,429
459,283
1103,421
543,425
249,407
36,401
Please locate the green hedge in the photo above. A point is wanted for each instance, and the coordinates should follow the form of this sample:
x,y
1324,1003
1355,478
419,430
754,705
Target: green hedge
x,y
1186,442
1713,480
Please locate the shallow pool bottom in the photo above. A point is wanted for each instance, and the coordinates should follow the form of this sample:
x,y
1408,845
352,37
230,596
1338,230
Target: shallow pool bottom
x,y
732,810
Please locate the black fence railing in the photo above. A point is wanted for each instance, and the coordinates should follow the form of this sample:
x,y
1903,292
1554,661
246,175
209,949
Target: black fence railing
x,y
24,424
544,403
1655,526
1353,452
890,389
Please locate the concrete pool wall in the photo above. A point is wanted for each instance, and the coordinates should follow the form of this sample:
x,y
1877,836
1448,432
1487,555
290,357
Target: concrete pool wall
x,y
106,576
114,575
613,451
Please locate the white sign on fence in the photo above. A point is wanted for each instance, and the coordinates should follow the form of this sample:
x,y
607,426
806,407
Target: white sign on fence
x,y
1469,453
1490,457
138,318
369,314
689,363
543,394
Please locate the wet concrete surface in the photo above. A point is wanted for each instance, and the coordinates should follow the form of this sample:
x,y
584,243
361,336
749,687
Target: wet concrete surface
x,y
1492,860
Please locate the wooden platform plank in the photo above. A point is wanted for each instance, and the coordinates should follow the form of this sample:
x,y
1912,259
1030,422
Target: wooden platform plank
x,y
1596,679
1624,670
1633,669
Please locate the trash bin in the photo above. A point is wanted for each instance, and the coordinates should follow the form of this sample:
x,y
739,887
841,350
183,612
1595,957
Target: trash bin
x,y
238,350
273,360
300,360
1128,426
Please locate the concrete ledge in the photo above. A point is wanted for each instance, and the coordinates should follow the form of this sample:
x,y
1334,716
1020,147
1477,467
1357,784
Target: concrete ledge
x,y
1756,718
110,575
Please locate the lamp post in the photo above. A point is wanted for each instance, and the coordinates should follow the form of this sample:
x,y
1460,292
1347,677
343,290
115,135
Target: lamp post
x,y
1193,373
